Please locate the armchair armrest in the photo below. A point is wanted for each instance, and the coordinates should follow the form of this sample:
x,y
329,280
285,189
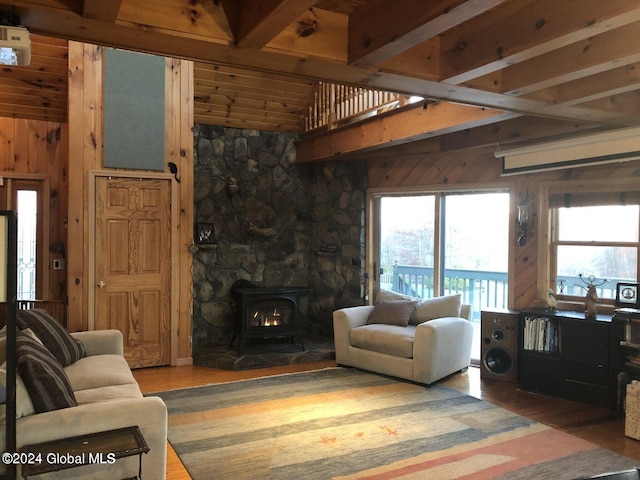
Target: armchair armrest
x,y
344,320
100,342
441,347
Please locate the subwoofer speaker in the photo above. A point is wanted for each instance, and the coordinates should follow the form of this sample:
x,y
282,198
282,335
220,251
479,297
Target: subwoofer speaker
x,y
499,350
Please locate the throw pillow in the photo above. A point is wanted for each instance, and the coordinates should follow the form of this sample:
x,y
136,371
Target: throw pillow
x,y
437,307
24,406
392,312
43,377
63,347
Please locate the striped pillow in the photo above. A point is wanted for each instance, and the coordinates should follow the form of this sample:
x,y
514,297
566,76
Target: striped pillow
x,y
63,347
44,378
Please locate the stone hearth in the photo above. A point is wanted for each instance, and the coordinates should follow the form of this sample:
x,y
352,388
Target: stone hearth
x,y
260,353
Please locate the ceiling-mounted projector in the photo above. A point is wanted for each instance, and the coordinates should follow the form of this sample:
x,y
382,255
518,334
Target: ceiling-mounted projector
x,y
15,45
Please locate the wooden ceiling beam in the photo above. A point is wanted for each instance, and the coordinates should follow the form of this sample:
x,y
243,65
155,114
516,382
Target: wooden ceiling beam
x,y
260,21
379,29
60,22
401,126
104,10
587,57
316,33
594,87
524,29
519,130
225,13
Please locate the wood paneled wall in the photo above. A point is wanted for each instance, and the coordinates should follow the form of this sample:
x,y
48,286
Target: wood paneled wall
x,y
466,168
86,155
33,149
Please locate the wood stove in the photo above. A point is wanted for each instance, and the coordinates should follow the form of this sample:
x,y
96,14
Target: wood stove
x,y
266,312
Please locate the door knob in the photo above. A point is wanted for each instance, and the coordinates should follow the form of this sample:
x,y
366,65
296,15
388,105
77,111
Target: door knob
x,y
101,284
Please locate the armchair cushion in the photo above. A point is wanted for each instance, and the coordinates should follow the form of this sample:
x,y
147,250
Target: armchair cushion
x,y
437,307
426,309
390,339
44,378
53,336
392,312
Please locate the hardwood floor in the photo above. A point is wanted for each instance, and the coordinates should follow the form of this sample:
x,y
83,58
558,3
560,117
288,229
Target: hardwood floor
x,y
597,425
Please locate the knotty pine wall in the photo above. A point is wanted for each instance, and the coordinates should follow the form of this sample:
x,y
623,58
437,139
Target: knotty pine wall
x,y
32,149
86,155
466,168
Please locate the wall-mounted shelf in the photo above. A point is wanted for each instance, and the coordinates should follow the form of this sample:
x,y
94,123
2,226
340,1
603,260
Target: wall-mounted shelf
x,y
195,247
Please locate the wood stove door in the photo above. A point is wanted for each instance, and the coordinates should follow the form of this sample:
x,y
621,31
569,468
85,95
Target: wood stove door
x,y
133,265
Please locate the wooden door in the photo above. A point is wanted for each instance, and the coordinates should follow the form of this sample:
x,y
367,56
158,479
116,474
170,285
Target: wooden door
x,y
133,264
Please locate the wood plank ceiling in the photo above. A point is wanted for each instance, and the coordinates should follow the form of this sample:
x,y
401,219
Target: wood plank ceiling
x,y
569,61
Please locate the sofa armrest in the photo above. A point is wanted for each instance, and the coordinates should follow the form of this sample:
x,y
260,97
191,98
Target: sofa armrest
x,y
344,320
441,347
100,342
148,413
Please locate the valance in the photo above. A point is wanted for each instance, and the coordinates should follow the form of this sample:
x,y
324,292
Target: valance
x,y
592,199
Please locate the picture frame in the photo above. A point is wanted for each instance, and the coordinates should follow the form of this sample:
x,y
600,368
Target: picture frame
x,y
627,295
203,234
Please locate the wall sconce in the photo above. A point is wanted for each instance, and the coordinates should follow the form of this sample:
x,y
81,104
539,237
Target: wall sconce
x,y
523,216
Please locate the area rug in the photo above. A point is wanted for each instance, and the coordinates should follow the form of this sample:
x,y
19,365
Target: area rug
x,y
342,423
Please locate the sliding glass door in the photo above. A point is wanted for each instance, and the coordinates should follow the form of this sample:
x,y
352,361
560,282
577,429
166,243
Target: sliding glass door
x,y
441,243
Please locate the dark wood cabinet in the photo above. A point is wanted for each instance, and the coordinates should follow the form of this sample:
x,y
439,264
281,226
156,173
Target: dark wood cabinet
x,y
561,353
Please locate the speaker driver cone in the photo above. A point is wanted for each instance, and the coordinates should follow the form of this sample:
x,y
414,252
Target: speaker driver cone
x,y
498,361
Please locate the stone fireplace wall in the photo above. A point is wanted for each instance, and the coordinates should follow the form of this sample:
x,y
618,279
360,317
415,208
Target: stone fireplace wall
x,y
275,223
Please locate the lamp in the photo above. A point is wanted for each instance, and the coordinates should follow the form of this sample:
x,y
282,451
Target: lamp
x,y
8,287
523,217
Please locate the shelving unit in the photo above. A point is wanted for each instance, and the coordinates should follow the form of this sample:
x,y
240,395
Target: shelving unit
x,y
563,354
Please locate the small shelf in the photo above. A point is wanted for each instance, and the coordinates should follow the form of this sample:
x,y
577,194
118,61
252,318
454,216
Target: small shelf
x,y
90,448
629,345
575,364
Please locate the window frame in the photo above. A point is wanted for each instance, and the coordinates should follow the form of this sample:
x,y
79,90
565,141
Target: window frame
x,y
40,183
373,226
549,227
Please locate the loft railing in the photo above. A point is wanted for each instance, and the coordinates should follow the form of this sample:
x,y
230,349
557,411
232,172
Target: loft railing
x,y
334,105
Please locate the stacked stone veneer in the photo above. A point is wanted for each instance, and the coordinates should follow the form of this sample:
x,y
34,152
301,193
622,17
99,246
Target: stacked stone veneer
x,y
276,223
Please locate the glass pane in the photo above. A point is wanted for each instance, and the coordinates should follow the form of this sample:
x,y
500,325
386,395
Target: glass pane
x,y
477,248
599,224
27,226
476,252
613,264
406,244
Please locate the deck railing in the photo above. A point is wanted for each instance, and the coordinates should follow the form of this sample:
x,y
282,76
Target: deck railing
x,y
480,288
334,105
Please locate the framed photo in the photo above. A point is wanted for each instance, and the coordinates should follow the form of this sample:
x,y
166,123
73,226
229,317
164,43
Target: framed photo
x,y
203,233
627,295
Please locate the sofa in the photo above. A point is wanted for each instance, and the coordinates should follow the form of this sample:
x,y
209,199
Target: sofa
x,y
103,394
414,339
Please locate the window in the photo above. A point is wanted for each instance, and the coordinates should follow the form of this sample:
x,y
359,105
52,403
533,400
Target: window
x,y
27,212
594,238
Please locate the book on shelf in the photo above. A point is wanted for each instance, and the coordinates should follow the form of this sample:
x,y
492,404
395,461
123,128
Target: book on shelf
x,y
540,334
